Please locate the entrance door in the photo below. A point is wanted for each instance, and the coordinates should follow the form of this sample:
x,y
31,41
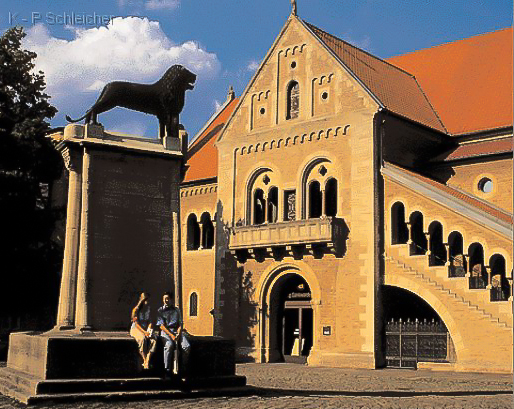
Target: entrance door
x,y
296,331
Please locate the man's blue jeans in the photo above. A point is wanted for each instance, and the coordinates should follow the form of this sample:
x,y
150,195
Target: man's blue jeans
x,y
169,347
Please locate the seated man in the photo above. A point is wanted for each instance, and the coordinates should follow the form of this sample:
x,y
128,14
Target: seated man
x,y
142,331
170,323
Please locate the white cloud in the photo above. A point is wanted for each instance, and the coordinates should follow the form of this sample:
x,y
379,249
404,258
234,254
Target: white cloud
x,y
252,65
364,43
217,105
150,4
96,86
131,128
162,4
130,49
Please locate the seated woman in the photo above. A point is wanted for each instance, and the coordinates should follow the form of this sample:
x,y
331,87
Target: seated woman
x,y
142,329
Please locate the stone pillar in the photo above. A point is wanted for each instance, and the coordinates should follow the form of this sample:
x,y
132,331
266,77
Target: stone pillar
x,y
448,260
177,276
323,203
265,201
409,226
488,271
67,296
81,310
200,225
429,252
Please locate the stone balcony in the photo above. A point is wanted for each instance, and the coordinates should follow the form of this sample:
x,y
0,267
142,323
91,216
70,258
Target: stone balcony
x,y
294,238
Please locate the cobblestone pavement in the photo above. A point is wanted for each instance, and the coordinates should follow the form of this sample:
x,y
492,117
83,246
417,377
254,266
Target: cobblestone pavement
x,y
296,386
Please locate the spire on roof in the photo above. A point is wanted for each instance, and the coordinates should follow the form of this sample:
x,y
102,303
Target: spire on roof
x,y
231,94
294,9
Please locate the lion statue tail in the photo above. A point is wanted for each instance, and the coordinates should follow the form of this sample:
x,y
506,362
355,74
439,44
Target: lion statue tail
x,y
69,119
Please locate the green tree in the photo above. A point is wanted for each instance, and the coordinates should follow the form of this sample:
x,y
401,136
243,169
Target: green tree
x,y
29,257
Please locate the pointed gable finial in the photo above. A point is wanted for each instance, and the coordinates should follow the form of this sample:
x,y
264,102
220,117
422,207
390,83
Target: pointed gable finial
x,y
231,94
294,9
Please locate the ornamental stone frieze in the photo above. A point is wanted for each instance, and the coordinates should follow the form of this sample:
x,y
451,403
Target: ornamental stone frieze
x,y
294,140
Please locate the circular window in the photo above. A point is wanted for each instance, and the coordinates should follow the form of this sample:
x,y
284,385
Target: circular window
x,y
324,95
262,111
293,64
485,185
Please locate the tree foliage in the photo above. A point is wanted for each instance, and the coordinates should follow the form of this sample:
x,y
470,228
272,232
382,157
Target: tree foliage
x,y
28,166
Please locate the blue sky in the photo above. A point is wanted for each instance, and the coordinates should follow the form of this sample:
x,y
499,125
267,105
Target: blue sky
x,y
222,41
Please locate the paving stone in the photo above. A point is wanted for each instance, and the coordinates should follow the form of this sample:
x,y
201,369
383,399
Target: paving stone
x,y
287,386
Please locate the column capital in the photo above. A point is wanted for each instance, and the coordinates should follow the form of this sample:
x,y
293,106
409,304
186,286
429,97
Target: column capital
x,y
72,158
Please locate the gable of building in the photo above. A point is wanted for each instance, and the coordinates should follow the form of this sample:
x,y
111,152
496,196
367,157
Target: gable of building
x,y
297,58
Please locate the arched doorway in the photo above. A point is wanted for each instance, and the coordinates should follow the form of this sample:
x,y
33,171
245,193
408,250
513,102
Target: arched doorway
x,y
414,332
291,319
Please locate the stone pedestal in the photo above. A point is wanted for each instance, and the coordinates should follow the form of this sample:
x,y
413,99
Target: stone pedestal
x,y
123,193
65,355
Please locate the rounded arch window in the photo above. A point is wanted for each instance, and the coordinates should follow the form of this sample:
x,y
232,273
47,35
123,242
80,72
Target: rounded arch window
x,y
485,185
193,305
193,232
293,100
324,95
293,64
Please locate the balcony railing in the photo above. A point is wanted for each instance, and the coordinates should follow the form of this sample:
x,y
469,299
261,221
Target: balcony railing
x,y
309,231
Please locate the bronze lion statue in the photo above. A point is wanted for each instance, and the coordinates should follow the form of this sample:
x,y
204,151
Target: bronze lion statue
x,y
164,99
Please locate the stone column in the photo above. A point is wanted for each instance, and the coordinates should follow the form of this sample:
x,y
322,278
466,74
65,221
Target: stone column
x,y
81,310
67,296
323,203
177,277
265,201
200,225
448,257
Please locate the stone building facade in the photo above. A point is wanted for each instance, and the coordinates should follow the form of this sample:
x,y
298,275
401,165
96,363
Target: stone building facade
x,y
342,193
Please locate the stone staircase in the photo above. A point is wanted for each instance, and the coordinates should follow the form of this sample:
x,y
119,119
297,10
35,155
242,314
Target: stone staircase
x,y
455,289
29,389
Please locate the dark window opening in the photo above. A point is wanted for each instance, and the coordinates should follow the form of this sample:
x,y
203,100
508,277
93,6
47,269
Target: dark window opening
x,y
273,205
207,231
500,288
258,206
456,252
331,197
478,275
193,233
315,200
436,246
193,305
399,229
293,100
419,241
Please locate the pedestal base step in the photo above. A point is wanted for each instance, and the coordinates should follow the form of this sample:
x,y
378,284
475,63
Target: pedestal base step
x,y
28,389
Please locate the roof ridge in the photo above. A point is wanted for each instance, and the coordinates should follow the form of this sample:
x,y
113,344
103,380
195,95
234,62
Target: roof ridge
x,y
358,48
431,106
210,121
450,42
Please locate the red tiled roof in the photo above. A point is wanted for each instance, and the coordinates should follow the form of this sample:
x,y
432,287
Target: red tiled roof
x,y
468,82
202,155
476,149
397,90
465,197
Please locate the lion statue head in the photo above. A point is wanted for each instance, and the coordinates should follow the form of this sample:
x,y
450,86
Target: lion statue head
x,y
177,77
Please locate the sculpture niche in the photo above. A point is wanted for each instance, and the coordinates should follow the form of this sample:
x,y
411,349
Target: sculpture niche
x,y
164,99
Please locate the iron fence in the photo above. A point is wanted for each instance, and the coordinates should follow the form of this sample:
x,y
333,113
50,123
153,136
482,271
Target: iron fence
x,y
409,342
